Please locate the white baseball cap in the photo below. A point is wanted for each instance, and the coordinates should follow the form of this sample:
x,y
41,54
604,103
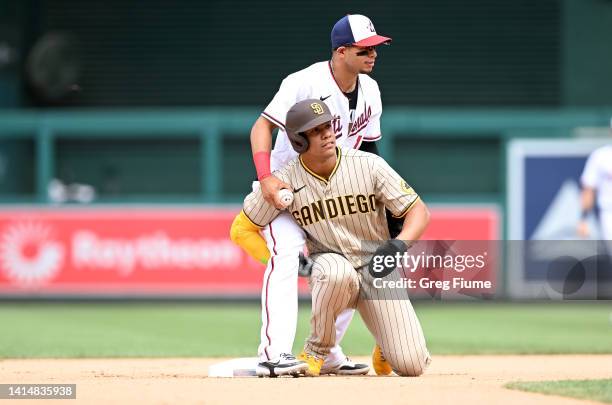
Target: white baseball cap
x,y
357,30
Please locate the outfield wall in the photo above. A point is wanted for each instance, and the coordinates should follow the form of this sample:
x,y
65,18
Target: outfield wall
x,y
198,161
203,155
163,251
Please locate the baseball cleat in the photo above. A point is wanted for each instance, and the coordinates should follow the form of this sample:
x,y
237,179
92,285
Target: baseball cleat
x,y
380,364
286,364
314,364
347,367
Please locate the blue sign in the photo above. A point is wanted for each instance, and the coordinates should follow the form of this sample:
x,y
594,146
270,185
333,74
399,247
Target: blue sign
x,y
546,257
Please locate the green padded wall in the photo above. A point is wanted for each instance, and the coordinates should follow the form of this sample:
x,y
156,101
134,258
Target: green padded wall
x,y
446,166
237,168
193,52
124,168
17,166
587,60
434,165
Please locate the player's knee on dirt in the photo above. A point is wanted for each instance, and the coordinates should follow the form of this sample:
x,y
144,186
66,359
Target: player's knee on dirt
x,y
412,366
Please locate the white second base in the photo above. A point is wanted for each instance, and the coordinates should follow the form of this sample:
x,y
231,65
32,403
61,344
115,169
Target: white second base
x,y
242,367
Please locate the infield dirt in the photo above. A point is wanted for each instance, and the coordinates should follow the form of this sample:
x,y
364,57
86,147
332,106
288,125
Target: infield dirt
x,y
449,380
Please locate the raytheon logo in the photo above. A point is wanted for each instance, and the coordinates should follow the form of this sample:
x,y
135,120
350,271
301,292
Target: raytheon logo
x,y
34,254
28,254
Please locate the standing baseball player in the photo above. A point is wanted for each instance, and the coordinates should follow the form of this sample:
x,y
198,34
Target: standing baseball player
x,y
354,99
339,201
596,181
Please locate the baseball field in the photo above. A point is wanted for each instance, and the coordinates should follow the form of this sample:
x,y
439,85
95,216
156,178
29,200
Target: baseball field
x,y
485,352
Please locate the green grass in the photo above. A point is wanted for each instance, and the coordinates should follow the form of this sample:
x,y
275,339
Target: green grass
x,y
206,329
566,327
594,390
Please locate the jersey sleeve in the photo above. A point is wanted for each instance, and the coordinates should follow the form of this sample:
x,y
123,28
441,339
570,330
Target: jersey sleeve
x,y
392,190
255,206
372,131
287,95
258,210
591,173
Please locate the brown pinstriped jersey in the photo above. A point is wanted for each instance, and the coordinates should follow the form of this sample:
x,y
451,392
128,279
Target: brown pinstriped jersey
x,y
342,213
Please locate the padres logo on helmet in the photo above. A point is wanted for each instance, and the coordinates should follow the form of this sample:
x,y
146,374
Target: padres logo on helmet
x,y
303,116
317,108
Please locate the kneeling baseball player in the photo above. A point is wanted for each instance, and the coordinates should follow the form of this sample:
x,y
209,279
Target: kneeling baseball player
x,y
339,200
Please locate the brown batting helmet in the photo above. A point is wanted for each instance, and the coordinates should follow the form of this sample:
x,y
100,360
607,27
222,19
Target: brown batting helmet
x,y
303,116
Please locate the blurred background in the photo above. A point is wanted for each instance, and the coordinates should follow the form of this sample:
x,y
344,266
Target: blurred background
x,y
123,91
124,133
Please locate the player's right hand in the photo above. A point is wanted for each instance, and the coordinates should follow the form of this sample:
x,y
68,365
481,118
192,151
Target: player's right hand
x,y
583,229
270,187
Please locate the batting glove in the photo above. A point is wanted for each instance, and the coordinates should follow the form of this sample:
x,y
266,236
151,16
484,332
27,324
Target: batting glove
x,y
384,260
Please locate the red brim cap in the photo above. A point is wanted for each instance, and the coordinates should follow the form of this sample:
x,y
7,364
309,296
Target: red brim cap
x,y
374,40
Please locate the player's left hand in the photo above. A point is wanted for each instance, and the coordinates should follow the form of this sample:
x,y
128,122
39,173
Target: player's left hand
x,y
381,265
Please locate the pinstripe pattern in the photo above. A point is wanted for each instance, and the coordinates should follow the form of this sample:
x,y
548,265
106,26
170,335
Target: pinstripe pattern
x,y
340,215
390,317
388,314
257,210
335,286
